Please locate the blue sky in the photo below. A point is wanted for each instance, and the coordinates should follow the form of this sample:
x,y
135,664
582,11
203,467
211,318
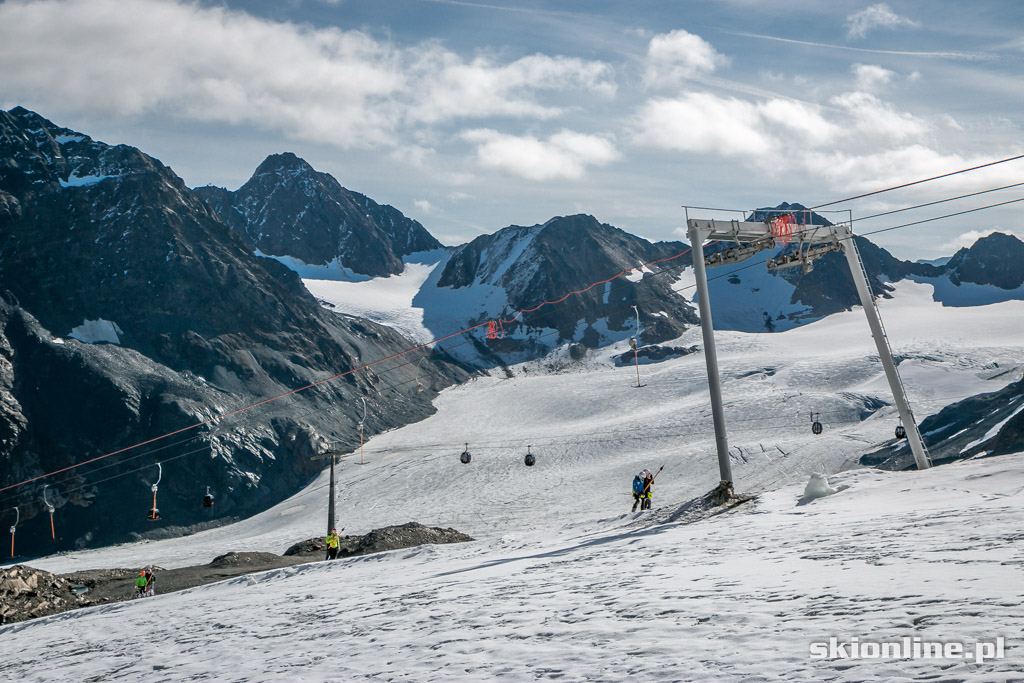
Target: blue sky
x,y
470,116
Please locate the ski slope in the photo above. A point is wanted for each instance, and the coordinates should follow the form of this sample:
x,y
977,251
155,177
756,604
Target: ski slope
x,y
562,581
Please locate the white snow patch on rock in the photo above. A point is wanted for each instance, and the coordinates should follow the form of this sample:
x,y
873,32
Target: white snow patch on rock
x,y
97,331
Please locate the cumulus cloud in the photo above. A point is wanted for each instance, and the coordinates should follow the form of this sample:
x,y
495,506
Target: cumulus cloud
x,y
215,64
564,155
879,119
453,88
707,123
679,55
871,76
423,205
876,16
967,239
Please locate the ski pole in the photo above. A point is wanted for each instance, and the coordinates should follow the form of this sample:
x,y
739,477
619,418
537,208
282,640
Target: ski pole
x,y
647,486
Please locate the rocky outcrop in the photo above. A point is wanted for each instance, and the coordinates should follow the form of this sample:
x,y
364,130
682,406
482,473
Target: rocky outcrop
x,y
408,535
27,593
289,209
979,426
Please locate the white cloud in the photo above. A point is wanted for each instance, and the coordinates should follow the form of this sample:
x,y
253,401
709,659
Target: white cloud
x,y
707,123
205,63
878,119
423,205
564,155
676,56
967,239
876,16
702,122
872,77
452,88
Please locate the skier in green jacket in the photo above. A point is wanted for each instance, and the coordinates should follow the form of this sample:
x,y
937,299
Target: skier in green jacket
x,y
140,584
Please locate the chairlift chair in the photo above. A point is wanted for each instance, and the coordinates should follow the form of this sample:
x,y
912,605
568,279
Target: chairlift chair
x,y
50,509
14,527
154,514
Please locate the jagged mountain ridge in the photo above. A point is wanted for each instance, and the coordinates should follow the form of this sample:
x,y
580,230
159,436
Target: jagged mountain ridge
x,y
288,209
540,263
107,234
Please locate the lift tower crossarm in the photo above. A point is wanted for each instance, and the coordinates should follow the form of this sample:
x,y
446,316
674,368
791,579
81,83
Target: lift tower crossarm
x,y
700,230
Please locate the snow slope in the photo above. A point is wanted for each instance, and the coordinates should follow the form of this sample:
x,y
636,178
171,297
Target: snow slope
x,y
935,554
561,582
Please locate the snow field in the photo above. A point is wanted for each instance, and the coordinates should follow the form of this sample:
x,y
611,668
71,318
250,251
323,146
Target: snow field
x,y
563,582
738,596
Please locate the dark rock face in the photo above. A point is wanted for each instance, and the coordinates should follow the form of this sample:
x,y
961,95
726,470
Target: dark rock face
x,y
958,431
200,327
997,260
545,262
289,209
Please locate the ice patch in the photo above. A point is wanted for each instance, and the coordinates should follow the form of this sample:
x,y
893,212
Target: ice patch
x,y
967,293
97,332
64,139
329,271
76,181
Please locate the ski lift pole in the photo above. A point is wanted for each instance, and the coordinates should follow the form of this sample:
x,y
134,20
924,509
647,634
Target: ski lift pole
x,y
697,236
867,301
361,433
635,342
330,502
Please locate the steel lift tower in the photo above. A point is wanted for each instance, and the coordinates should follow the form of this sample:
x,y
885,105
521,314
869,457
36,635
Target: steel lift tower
x,y
812,242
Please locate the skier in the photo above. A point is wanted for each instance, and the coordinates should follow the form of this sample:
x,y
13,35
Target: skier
x,y
140,584
648,491
333,541
150,582
642,490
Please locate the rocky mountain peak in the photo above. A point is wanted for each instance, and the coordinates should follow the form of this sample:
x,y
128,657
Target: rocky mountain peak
x,y
289,209
996,259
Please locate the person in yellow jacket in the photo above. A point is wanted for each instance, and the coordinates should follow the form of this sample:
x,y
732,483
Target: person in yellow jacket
x,y
333,543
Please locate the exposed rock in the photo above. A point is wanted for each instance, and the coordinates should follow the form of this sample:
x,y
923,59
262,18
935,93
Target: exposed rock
x,y
406,535
289,209
979,426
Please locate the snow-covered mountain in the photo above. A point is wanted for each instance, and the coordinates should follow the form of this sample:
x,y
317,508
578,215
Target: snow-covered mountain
x,y
288,210
128,311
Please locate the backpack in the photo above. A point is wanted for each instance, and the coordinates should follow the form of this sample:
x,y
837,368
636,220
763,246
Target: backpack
x,y
638,485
